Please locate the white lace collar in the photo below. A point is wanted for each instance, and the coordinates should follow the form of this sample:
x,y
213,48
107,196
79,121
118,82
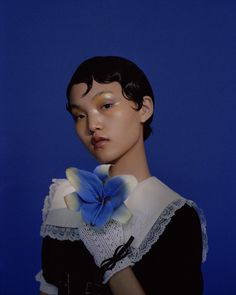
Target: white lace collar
x,y
152,205
146,203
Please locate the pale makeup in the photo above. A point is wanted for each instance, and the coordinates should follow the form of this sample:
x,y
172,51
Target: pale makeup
x,y
105,113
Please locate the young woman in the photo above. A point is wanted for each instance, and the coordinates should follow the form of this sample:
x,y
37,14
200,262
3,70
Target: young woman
x,y
118,230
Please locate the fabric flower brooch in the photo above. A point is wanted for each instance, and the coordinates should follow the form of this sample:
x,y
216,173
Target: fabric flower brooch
x,y
98,197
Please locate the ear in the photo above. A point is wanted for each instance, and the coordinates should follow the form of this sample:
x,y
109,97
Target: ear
x,y
147,109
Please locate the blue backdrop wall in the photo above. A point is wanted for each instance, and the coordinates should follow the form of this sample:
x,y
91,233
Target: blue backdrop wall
x,y
186,48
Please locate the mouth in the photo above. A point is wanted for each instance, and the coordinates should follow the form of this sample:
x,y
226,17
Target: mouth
x,y
98,142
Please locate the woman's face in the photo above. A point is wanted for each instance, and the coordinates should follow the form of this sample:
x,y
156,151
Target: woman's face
x,y
106,122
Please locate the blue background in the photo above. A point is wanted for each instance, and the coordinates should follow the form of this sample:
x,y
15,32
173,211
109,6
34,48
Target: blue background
x,y
186,48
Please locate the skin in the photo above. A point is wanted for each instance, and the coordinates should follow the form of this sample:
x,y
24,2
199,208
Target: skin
x,y
105,112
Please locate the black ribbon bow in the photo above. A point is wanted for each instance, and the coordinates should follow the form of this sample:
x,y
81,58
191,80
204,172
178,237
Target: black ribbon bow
x,y
108,264
120,252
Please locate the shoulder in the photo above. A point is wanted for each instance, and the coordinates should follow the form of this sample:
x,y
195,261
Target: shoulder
x,y
58,221
182,238
182,221
176,256
184,225
186,216
173,238
58,189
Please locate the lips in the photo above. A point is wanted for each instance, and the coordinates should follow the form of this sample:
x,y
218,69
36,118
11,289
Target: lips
x,y
98,142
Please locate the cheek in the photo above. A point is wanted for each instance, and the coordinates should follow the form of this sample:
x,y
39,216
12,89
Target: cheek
x,y
130,122
80,133
124,118
126,128
77,130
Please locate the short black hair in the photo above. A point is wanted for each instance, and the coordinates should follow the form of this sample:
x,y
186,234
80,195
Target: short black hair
x,y
107,69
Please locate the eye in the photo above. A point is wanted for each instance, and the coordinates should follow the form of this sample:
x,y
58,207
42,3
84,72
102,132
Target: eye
x,y
78,117
107,105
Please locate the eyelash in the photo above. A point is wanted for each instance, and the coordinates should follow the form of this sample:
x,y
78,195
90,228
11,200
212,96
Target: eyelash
x,y
107,104
79,117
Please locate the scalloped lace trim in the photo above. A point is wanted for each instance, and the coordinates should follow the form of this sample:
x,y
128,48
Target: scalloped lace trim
x,y
160,225
203,227
60,233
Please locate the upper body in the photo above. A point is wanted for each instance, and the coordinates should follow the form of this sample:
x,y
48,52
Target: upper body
x,y
170,248
112,104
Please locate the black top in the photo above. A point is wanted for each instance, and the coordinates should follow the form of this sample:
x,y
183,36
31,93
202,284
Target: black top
x,y
172,266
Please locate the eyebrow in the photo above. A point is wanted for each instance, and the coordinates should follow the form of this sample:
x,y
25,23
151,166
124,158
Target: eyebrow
x,y
93,98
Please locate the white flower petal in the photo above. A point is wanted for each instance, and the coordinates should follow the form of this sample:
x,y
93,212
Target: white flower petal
x,y
122,214
102,171
72,176
72,201
130,183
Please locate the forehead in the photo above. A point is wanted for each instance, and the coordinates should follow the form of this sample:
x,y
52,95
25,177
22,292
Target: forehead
x,y
78,90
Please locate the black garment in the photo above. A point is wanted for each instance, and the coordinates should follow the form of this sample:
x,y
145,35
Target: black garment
x,y
172,266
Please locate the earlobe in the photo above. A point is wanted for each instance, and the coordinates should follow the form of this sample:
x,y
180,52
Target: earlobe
x,y
147,109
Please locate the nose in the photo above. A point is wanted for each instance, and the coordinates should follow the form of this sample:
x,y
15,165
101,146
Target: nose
x,y
95,122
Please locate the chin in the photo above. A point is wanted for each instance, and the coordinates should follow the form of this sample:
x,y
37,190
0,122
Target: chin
x,y
105,159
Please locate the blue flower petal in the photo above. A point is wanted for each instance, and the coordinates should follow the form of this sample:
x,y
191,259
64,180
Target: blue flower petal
x,y
91,187
88,211
117,190
104,215
96,215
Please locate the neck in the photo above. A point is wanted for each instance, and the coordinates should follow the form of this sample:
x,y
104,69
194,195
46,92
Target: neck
x,y
134,162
